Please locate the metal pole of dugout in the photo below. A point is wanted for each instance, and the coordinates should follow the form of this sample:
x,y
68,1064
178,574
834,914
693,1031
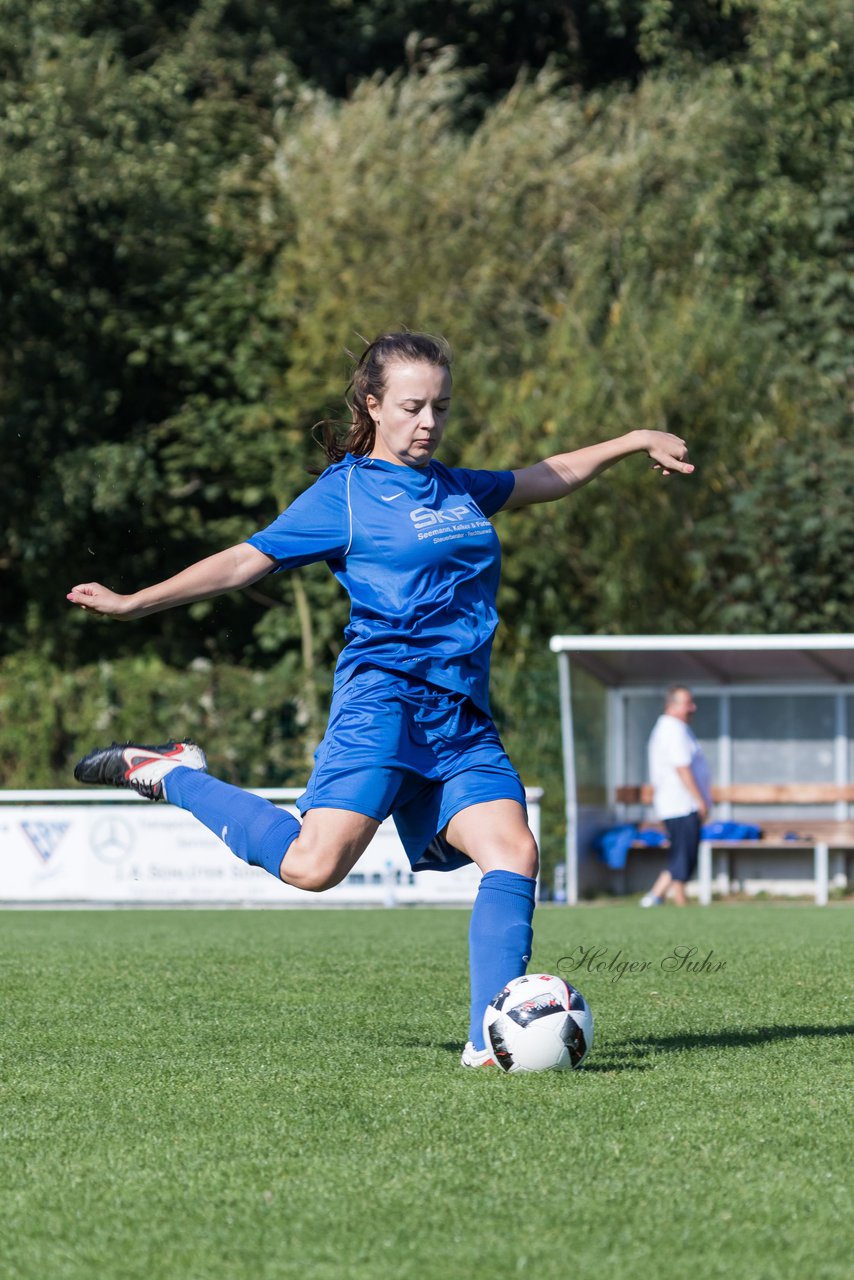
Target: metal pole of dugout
x,y
569,779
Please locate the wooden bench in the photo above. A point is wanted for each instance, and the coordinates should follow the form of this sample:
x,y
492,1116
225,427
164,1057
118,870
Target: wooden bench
x,y
821,835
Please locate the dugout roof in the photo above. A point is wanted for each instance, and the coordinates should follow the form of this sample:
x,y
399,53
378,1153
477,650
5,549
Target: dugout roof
x,y
642,660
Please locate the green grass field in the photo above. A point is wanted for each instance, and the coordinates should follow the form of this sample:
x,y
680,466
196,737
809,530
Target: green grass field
x,y
275,1094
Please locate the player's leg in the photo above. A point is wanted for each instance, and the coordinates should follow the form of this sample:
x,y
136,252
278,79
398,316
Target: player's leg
x,y
251,827
314,854
349,792
477,805
330,843
320,851
497,838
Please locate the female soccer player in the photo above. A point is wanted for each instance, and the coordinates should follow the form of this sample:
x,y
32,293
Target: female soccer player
x,y
409,731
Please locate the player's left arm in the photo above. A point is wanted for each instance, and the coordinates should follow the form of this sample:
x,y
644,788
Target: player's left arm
x,y
563,473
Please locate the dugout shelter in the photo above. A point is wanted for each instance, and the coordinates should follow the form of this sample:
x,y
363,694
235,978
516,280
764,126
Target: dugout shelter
x,y
775,717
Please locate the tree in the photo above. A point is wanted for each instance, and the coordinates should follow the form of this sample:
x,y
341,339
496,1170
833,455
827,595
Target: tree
x,y
132,267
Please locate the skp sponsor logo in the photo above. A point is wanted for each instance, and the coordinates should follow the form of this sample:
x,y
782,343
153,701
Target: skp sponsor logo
x,y
424,518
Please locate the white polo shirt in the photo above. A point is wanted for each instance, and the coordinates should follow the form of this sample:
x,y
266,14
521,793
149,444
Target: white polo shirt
x,y
672,744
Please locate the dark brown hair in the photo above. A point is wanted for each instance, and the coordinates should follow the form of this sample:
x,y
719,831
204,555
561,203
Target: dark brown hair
x,y
369,379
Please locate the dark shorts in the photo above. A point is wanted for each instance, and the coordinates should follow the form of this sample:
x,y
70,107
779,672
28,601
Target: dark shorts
x,y
684,836
396,746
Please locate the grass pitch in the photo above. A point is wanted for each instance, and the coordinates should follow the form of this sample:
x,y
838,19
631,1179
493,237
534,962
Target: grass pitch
x,y
218,1095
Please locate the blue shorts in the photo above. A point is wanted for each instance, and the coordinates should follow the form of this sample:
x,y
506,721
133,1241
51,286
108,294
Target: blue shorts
x,y
396,746
684,836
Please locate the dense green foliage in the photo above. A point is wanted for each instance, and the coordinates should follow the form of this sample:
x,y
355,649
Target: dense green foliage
x,y
202,205
211,1095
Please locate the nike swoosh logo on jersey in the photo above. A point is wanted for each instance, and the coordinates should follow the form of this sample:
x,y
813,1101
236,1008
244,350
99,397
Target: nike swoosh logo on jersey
x,y
391,497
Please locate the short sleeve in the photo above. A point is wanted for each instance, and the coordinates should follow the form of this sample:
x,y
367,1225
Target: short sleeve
x,y
678,745
490,489
313,528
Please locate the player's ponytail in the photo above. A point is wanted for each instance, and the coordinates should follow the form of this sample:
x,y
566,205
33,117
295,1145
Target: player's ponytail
x,y
369,379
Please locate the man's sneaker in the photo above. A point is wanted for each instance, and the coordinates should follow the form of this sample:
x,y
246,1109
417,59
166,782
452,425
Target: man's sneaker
x,y
476,1057
126,764
651,900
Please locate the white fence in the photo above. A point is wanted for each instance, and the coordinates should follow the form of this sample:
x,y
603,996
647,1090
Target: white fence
x,y
104,847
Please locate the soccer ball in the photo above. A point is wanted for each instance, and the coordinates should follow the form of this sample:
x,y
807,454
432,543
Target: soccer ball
x,y
538,1023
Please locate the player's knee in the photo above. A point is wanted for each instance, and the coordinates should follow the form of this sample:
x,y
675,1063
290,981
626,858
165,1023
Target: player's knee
x,y
311,867
529,857
520,855
320,877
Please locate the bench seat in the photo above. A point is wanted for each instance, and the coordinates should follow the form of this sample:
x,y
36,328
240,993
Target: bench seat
x,y
821,835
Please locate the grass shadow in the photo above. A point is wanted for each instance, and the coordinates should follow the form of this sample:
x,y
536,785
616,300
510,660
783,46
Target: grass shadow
x,y
742,1039
631,1053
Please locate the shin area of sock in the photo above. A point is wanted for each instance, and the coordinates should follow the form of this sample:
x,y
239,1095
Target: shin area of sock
x,y
500,938
252,828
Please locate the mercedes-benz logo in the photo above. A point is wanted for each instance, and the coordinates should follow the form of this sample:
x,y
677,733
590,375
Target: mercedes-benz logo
x,y
111,839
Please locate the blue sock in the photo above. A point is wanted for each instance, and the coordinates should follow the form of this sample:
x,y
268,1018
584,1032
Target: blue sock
x,y
254,829
500,937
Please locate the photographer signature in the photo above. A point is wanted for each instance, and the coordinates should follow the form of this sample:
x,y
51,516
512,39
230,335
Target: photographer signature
x,y
616,964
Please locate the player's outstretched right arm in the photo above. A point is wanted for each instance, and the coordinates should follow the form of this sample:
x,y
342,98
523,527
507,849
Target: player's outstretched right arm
x,y
228,570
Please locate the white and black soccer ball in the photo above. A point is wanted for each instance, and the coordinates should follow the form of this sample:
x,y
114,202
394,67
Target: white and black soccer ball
x,y
538,1023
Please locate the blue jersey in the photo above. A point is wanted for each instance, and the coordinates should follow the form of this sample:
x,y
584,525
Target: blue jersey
x,y
415,551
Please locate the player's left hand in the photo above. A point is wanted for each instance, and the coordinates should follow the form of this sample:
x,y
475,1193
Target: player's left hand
x,y
95,598
668,452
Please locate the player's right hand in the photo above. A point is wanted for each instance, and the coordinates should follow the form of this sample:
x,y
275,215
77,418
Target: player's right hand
x,y
95,598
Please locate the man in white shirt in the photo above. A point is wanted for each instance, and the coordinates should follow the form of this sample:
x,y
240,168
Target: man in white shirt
x,y
682,797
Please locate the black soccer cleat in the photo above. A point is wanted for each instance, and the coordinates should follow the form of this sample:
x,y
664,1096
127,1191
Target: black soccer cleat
x,y
142,769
